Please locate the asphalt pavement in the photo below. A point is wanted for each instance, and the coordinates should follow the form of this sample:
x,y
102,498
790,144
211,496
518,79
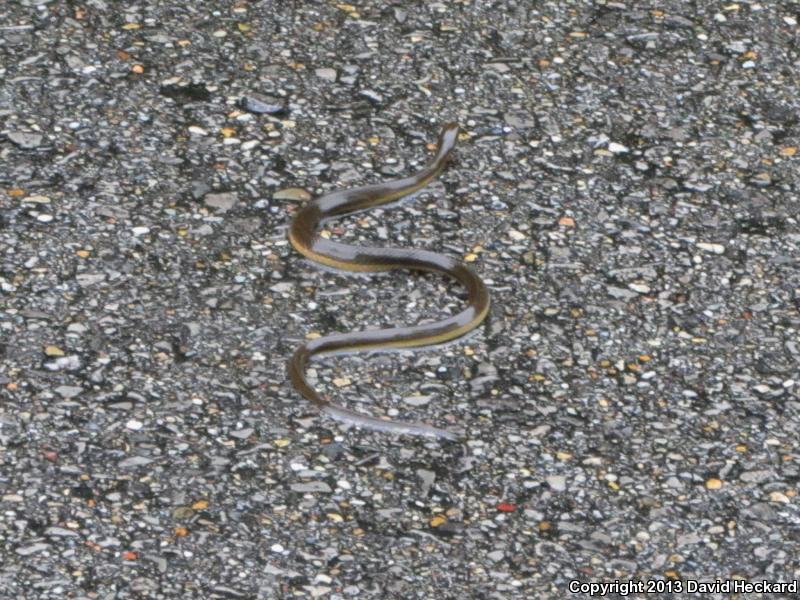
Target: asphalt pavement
x,y
626,183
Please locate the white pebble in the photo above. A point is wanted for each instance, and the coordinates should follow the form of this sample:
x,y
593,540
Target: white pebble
x,y
616,148
134,425
326,74
713,248
557,482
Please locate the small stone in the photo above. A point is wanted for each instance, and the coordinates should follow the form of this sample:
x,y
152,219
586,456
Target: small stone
x,y
24,140
519,120
134,425
182,513
557,482
199,189
134,461
757,476
687,539
68,391
515,235
417,400
283,286
222,202
438,520
53,351
341,382
779,497
87,279
496,555
292,194
138,231
566,222
712,248
326,74
499,67
32,549
641,288
37,199
242,434
697,186
60,532
371,95
311,486
713,483
317,591
67,363
616,148
620,293
335,517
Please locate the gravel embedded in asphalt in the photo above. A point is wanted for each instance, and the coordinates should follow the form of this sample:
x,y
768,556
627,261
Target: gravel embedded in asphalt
x,y
626,184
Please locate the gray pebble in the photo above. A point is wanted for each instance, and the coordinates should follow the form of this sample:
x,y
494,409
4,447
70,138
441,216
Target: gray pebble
x,y
222,202
312,486
27,141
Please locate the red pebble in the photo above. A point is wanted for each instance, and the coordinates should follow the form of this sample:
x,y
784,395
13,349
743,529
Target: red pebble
x,y
506,507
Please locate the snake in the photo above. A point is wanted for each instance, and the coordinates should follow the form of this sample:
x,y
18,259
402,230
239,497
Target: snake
x,y
305,236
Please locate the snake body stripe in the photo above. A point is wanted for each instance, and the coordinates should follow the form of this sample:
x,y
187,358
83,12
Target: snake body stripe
x,y
304,236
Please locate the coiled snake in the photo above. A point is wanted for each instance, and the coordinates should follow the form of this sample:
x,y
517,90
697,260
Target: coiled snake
x,y
304,236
